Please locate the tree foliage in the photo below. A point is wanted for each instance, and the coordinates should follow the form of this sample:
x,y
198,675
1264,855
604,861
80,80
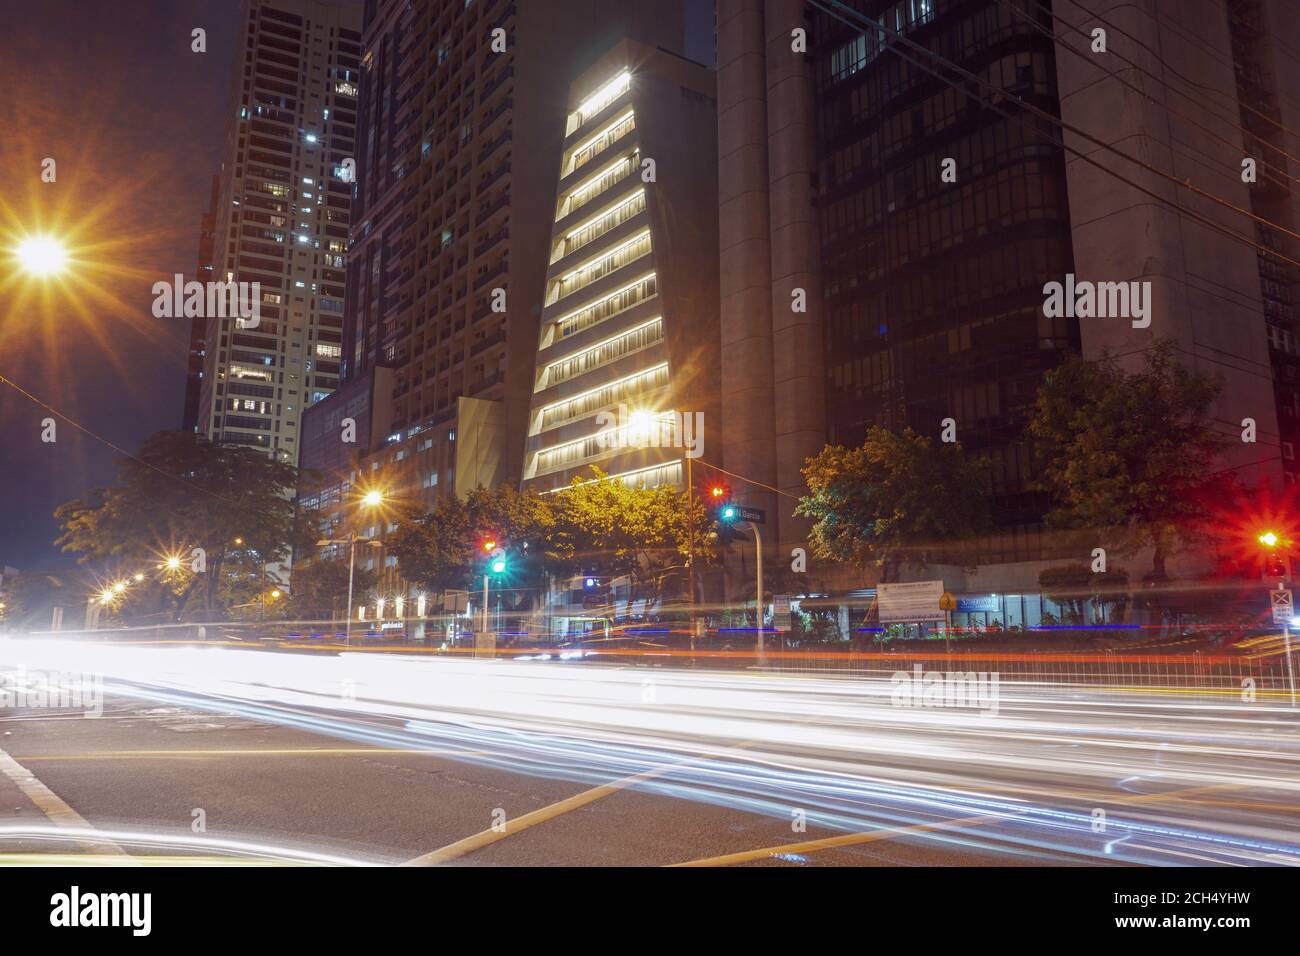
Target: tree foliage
x,y
319,589
896,497
180,492
441,549
596,526
1129,456
614,529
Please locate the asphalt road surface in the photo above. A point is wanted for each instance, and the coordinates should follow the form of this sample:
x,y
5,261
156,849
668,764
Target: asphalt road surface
x,y
238,756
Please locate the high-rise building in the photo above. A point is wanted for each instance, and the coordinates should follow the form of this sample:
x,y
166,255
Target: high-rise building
x,y
283,218
463,114
462,117
204,272
936,208
626,365
1213,77
933,289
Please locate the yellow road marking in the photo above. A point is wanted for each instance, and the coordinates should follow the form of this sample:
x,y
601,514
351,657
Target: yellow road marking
x,y
848,839
49,803
487,837
888,833
78,860
305,752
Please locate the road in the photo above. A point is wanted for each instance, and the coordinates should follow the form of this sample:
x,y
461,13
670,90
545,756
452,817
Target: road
x,y
379,758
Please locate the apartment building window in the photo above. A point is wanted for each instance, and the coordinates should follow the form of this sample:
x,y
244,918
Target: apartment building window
x,y
588,360
602,141
598,101
606,396
610,305
592,188
595,228
615,259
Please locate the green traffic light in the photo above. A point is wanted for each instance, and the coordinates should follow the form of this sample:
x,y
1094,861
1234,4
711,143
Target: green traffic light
x,y
728,512
499,566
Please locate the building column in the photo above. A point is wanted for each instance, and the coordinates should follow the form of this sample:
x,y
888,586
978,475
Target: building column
x,y
799,387
745,286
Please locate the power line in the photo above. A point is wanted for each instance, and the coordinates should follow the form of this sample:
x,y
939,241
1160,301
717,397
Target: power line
x,y
104,441
1042,114
1057,121
749,481
1033,21
1173,27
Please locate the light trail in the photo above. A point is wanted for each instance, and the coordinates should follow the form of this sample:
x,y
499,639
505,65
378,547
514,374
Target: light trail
x,y
1032,774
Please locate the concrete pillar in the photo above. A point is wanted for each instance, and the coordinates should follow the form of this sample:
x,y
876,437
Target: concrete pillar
x,y
798,377
748,446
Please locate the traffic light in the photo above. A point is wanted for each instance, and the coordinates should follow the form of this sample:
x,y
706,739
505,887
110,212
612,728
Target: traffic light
x,y
498,564
724,512
1276,563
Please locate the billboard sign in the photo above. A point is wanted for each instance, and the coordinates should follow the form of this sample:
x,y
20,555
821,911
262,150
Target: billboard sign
x,y
912,602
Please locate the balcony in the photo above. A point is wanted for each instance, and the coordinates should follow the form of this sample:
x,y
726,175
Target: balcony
x,y
487,343
499,270
490,241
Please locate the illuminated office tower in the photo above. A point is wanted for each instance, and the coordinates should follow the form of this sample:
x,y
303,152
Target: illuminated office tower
x,y
627,356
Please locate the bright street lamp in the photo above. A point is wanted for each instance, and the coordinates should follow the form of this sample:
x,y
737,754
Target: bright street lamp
x,y
372,498
42,255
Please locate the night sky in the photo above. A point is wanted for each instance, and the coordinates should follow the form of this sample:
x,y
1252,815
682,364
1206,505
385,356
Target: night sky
x,y
133,119
111,90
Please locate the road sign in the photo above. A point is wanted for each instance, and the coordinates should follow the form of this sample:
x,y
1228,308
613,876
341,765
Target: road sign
x,y
752,515
913,602
1283,608
455,602
781,611
947,602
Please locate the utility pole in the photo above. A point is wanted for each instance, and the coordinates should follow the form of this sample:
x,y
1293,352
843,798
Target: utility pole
x,y
690,547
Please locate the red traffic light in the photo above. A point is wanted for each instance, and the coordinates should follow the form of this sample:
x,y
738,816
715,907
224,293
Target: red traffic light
x,y
489,545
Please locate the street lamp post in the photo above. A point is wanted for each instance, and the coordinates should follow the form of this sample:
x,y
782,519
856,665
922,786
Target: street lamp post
x,y
351,541
758,557
352,563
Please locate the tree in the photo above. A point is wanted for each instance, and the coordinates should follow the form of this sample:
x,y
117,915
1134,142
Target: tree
x,y
614,529
1076,586
1128,456
27,600
319,589
180,493
441,549
894,498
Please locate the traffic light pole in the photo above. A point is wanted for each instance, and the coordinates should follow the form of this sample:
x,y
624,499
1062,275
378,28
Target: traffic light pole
x,y
485,602
758,555
1286,647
